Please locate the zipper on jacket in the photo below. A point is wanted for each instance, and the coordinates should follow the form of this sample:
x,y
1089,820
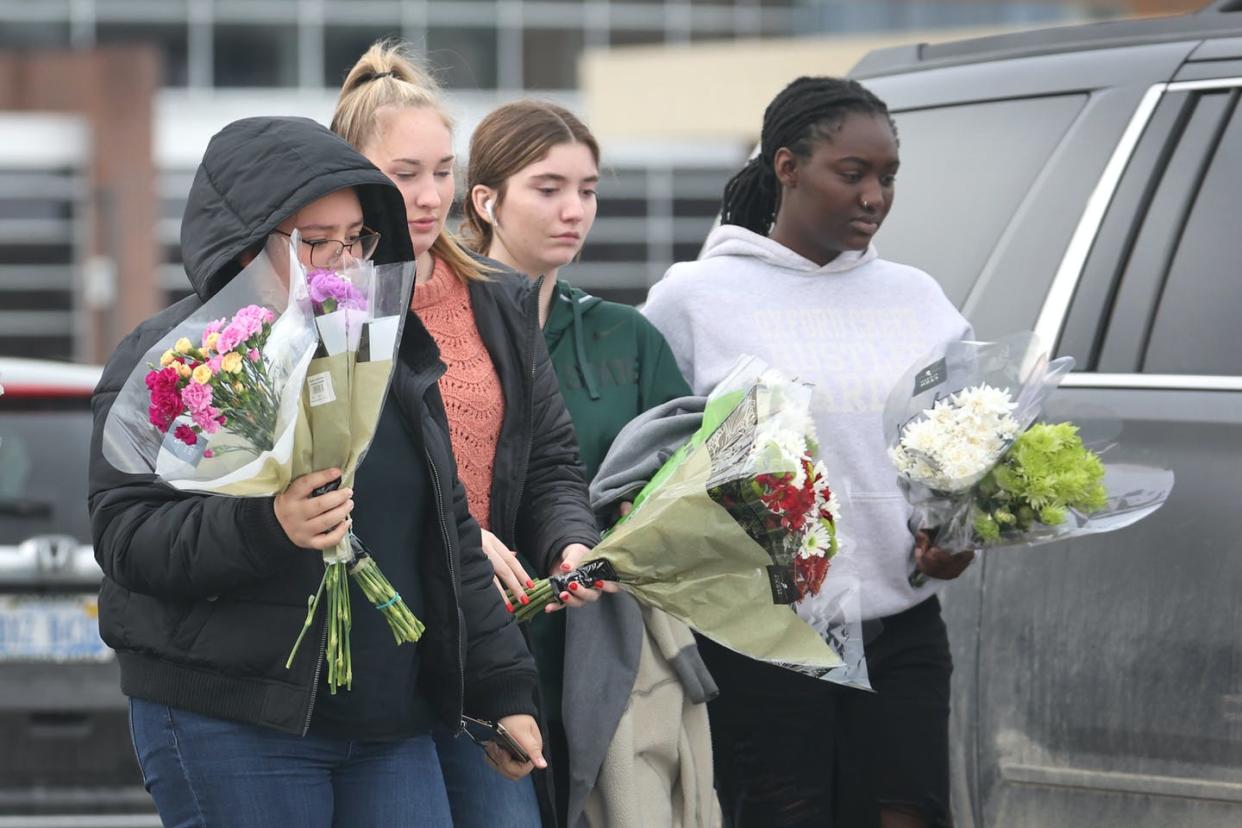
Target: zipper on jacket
x,y
533,329
310,709
448,554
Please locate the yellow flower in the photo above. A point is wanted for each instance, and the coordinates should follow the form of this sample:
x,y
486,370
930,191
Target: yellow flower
x,y
238,387
202,375
184,345
210,341
167,359
183,369
232,362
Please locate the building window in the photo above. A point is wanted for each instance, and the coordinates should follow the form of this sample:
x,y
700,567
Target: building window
x,y
343,45
635,37
464,58
550,58
21,35
172,41
255,55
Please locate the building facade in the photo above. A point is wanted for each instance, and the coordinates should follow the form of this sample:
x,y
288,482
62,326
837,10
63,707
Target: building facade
x,y
72,272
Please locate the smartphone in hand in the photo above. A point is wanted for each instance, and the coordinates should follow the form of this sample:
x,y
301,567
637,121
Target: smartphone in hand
x,y
481,732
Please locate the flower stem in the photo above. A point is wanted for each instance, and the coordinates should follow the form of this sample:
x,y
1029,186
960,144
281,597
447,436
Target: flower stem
x,y
312,605
380,592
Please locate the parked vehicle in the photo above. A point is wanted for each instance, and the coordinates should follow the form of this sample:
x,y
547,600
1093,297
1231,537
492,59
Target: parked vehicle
x,y
1087,183
63,721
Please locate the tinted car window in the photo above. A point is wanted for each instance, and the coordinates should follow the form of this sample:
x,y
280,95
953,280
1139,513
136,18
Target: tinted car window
x,y
43,459
975,164
1198,312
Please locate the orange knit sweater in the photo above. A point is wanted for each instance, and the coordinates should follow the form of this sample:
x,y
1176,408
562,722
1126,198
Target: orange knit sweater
x,y
471,389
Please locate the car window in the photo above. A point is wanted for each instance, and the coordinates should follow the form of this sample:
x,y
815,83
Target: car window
x,y
1159,291
43,470
964,171
1196,320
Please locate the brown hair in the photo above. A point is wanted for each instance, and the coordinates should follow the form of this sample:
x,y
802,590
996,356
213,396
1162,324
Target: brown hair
x,y
508,141
386,78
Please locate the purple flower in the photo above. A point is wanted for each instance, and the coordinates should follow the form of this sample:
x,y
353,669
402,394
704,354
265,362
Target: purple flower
x,y
213,326
330,291
214,364
196,397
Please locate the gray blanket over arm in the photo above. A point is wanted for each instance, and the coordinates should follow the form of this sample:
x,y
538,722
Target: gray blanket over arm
x,y
634,743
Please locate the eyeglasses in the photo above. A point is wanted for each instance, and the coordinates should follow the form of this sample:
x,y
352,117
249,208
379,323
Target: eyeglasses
x,y
329,252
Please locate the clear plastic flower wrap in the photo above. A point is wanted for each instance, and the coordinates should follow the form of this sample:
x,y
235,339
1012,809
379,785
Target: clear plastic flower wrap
x,y
736,529
281,373
978,468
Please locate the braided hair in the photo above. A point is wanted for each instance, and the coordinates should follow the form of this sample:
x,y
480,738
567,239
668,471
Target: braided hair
x,y
808,110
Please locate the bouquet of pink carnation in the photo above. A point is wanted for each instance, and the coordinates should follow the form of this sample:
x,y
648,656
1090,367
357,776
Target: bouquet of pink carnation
x,y
197,390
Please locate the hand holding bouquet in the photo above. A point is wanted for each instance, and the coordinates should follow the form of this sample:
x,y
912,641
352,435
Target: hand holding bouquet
x,y
737,528
980,471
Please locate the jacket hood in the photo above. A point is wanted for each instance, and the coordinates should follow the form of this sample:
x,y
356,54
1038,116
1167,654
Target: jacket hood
x,y
730,240
257,172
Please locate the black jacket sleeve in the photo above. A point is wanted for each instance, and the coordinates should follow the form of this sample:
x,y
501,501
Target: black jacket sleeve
x,y
555,510
500,674
153,539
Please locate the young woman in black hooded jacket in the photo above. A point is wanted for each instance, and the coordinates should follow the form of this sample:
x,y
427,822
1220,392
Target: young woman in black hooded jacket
x,y
203,595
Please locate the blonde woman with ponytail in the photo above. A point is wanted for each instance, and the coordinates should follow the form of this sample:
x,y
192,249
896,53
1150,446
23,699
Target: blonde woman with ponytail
x,y
514,443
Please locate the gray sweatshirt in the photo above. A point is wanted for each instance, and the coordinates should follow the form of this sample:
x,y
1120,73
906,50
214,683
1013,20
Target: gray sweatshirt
x,y
851,328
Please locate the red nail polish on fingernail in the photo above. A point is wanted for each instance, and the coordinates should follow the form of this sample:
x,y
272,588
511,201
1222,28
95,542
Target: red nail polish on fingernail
x,y
564,596
509,606
565,567
524,600
599,584
574,586
530,584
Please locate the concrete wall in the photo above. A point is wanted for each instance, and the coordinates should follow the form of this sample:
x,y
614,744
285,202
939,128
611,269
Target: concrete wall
x,y
718,90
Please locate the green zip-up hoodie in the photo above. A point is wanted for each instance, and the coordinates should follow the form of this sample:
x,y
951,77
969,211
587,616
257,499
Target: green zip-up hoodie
x,y
612,365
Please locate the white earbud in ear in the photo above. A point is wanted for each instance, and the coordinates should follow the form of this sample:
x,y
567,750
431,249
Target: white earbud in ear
x,y
489,207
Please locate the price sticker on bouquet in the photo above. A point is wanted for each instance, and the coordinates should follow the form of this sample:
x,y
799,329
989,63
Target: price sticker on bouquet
x,y
321,390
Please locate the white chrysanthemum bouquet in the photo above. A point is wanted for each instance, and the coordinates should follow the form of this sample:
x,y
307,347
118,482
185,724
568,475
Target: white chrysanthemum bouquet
x,y
959,439
980,472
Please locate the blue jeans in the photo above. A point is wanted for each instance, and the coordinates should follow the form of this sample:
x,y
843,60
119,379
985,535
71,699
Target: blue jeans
x,y
479,796
204,772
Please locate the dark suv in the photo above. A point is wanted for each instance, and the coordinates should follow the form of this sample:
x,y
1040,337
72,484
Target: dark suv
x,y
63,720
1087,183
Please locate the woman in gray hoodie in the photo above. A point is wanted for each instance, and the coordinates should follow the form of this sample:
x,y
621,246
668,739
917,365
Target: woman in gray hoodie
x,y
792,277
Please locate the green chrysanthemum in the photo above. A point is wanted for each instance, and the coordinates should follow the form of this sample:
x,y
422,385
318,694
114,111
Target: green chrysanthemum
x,y
1046,473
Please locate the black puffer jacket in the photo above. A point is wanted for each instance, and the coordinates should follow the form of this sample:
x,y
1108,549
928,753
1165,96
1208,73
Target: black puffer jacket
x,y
539,491
202,595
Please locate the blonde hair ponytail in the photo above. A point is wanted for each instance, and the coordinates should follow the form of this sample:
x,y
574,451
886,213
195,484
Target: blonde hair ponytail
x,y
388,77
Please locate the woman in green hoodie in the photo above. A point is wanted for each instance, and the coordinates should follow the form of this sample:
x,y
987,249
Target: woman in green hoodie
x,y
531,200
